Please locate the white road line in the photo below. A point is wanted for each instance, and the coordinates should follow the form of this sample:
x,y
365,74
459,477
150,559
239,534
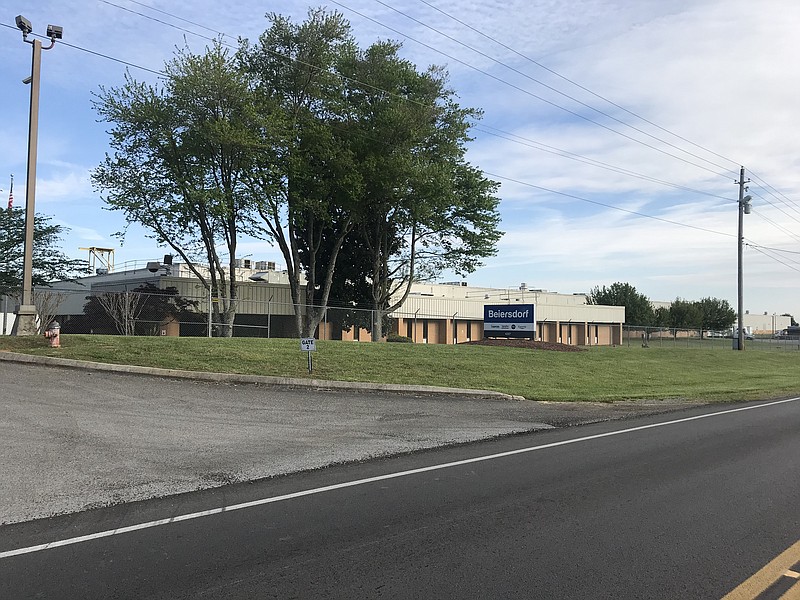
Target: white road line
x,y
347,484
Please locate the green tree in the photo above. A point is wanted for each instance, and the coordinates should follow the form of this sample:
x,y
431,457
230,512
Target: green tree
x,y
306,189
181,149
714,314
427,209
684,314
638,309
49,263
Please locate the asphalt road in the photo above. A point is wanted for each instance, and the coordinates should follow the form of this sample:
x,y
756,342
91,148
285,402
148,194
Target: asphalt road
x,y
688,508
76,439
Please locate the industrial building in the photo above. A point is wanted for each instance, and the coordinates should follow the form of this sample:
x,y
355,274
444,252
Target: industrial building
x,y
443,313
432,314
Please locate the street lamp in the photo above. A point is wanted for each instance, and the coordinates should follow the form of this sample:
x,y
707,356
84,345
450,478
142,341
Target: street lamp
x,y
25,323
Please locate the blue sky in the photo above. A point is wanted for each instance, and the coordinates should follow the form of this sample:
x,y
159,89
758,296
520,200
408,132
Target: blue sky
x,y
710,85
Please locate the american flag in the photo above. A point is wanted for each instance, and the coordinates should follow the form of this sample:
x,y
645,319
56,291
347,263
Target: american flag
x,y
11,194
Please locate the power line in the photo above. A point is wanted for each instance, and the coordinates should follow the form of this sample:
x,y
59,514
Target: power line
x,y
163,12
511,137
590,161
93,52
587,160
531,94
611,206
133,12
576,84
776,225
775,193
773,205
543,84
760,249
775,249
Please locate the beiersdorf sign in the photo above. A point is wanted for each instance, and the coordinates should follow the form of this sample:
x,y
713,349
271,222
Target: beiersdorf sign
x,y
509,320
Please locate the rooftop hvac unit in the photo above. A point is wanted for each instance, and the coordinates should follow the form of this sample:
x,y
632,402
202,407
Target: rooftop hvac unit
x,y
261,265
248,264
270,266
238,263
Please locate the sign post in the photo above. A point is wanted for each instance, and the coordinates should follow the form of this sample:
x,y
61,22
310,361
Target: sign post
x,y
308,345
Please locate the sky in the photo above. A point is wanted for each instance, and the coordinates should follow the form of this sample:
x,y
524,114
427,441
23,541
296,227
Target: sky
x,y
616,128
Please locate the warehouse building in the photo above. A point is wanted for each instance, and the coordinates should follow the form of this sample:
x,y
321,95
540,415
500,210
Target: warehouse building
x,y
432,313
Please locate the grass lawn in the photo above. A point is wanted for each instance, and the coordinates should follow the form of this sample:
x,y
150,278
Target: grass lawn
x,y
599,374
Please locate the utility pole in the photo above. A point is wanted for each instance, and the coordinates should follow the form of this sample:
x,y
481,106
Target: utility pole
x,y
744,209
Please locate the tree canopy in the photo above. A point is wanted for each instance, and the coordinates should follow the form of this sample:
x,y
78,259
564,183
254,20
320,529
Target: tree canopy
x,y
424,208
49,262
638,308
181,150
307,141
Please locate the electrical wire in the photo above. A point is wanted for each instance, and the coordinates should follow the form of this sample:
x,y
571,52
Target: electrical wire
x,y
773,205
760,249
576,84
510,137
589,161
565,154
527,184
776,225
780,196
543,84
611,206
531,94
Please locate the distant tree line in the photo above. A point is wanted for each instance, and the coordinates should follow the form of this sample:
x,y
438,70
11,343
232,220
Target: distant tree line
x,y
706,314
350,160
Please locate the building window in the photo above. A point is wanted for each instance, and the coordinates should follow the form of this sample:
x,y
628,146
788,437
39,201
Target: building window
x,y
409,328
469,331
425,331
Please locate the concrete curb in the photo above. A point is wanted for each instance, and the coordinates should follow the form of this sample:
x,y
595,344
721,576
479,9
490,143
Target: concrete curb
x,y
291,382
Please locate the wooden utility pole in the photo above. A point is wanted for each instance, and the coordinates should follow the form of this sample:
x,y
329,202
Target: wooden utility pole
x,y
744,208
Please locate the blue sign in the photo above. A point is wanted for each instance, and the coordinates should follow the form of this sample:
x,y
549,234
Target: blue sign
x,y
509,320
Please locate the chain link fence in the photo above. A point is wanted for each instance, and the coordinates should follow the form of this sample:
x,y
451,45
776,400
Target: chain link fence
x,y
158,312
664,337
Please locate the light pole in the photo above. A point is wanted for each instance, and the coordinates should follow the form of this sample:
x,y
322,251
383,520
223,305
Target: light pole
x,y
744,209
25,323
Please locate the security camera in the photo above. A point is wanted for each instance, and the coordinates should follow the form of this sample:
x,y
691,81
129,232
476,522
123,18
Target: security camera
x,y
55,32
24,25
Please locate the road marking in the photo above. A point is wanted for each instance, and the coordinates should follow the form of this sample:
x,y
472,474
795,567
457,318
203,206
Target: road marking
x,y
777,579
358,482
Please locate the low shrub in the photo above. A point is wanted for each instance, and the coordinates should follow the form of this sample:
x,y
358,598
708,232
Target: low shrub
x,y
393,337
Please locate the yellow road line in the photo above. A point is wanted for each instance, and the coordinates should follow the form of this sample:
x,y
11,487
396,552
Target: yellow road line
x,y
778,567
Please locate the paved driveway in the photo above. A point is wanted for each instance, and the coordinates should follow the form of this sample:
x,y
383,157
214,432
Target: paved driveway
x,y
75,439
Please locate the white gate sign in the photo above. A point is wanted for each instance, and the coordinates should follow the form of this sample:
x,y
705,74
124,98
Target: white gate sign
x,y
308,345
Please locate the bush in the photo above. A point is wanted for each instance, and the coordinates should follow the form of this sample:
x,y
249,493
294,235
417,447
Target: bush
x,y
393,337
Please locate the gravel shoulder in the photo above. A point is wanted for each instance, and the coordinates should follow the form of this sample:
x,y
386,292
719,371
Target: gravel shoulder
x,y
78,438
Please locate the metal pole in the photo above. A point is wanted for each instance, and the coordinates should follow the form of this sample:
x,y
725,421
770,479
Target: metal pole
x,y
209,311
740,277
269,315
26,312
